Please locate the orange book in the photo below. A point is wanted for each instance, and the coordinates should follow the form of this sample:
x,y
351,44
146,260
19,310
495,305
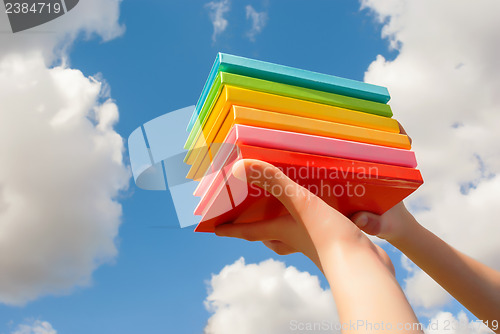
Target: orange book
x,y
243,97
202,157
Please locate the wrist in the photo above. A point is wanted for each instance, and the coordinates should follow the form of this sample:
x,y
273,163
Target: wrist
x,y
408,232
397,224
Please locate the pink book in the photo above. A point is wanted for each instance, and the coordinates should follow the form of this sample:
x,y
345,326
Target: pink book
x,y
304,143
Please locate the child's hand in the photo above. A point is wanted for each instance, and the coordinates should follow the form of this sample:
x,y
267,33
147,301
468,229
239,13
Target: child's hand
x,y
312,226
393,225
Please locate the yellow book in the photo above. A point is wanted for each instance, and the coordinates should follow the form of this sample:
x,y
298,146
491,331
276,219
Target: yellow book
x,y
238,96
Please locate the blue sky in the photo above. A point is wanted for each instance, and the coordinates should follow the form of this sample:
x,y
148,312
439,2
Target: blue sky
x,y
158,281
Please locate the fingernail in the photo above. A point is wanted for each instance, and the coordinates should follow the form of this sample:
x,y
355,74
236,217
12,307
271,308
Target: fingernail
x,y
238,170
362,221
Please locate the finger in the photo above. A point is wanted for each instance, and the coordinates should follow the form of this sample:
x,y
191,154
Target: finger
x,y
403,132
368,222
294,197
271,229
279,247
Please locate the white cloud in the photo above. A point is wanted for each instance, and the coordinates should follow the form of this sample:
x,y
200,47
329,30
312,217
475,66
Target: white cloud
x,y
35,327
258,19
61,171
88,18
444,85
424,292
216,12
61,164
446,323
268,298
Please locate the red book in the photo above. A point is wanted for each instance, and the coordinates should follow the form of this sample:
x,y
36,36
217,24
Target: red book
x,y
347,185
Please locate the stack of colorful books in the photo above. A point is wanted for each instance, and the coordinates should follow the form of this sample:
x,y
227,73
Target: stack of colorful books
x,y
336,137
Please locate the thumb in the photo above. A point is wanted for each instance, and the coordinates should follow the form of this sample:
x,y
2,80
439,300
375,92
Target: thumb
x,y
294,197
368,222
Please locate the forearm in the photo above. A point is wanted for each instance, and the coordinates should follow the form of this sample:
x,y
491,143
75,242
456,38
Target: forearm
x,y
365,291
472,283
